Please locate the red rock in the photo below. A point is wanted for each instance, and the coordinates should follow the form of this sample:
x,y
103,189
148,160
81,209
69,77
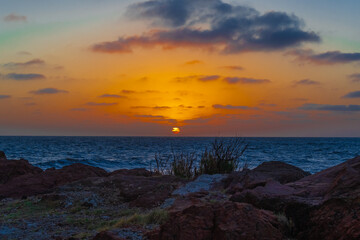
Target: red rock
x,y
41,182
133,172
336,219
340,181
280,171
105,235
144,192
11,169
226,220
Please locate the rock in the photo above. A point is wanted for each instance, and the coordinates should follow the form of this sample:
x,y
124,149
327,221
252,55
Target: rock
x,y
340,181
227,220
11,169
144,192
41,182
335,219
2,156
133,172
105,235
202,183
281,172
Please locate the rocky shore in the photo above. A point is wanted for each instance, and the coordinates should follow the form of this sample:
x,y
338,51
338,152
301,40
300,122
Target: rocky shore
x,y
273,201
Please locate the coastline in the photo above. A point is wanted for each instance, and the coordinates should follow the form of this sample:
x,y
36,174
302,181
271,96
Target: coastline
x,y
272,201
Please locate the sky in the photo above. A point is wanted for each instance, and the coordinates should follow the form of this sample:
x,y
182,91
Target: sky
x,y
260,68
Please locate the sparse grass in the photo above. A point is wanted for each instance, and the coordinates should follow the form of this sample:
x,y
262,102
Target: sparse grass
x,y
222,157
155,216
287,223
25,209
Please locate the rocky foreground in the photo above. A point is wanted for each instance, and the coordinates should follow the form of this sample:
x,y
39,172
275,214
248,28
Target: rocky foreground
x,y
273,201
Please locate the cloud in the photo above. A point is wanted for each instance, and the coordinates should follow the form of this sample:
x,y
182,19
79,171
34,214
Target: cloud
x,y
4,96
234,80
355,77
24,53
33,62
235,68
112,96
211,25
355,94
157,118
79,109
193,62
334,108
208,78
128,91
326,58
24,77
231,107
306,82
154,108
268,105
100,104
45,91
15,18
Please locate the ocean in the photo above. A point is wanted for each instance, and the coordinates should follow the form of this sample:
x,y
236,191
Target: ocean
x,y
111,153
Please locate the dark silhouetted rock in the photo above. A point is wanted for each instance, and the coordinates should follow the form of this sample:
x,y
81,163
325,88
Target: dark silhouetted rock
x,y
11,169
281,172
105,235
340,181
226,220
132,172
333,220
41,182
2,156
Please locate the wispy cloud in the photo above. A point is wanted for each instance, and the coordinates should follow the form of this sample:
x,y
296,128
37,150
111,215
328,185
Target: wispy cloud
x,y
234,80
208,78
24,77
355,77
355,94
232,28
193,62
112,96
306,82
333,108
231,107
234,68
102,104
46,91
153,108
326,58
229,80
157,118
15,18
79,109
33,62
4,96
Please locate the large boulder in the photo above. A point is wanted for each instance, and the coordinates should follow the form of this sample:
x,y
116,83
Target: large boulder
x,y
133,172
340,181
336,219
222,220
280,171
10,169
42,181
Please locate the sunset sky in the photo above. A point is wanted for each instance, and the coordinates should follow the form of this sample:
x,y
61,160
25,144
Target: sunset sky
x,y
209,67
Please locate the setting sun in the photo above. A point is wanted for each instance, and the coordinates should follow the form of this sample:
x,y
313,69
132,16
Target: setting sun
x,y
175,130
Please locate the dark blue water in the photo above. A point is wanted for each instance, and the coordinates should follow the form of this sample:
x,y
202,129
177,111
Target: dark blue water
x,y
110,153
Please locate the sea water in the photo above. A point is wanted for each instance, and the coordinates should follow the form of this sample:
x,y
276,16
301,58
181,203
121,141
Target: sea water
x,y
111,153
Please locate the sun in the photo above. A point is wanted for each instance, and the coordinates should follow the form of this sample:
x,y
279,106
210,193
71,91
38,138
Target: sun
x,y
175,130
